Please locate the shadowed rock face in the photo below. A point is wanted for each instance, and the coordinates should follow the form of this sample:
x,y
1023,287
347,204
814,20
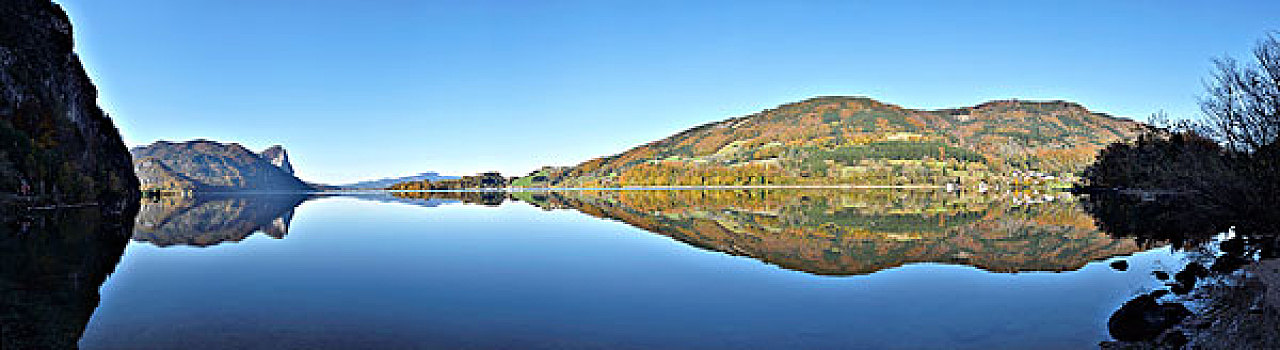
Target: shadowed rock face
x,y
847,232
52,263
208,220
56,144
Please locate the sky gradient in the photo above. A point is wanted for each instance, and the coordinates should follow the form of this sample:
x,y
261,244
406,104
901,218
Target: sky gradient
x,y
361,89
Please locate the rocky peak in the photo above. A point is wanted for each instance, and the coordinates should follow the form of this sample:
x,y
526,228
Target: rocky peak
x,y
276,155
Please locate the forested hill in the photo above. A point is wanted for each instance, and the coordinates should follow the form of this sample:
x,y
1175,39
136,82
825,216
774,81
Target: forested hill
x,y
858,140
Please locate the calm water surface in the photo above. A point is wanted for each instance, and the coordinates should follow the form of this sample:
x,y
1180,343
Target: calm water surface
x,y
618,269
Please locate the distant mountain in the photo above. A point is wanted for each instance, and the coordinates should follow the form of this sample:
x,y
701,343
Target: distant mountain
x,y
858,140
208,166
384,183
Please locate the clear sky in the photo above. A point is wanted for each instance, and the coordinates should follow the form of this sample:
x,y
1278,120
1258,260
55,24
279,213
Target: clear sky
x,y
369,89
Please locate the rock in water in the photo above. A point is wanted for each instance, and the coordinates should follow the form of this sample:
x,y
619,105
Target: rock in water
x,y
1161,275
1144,318
56,145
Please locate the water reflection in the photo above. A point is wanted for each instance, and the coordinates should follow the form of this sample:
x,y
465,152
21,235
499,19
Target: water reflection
x,y
210,219
1219,241
842,232
54,262
824,232
51,265
358,273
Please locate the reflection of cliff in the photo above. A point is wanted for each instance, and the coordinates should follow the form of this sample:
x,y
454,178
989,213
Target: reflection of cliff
x,y
858,232
209,220
51,266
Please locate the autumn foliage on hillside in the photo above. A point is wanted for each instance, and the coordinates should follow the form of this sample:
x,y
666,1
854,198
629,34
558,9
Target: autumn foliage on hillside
x,y
860,141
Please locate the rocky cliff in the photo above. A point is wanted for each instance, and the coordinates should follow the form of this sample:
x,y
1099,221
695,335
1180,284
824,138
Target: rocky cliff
x,y
56,147
276,155
56,144
208,166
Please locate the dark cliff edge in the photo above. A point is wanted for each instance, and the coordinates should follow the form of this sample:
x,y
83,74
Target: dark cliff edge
x,y
68,194
57,146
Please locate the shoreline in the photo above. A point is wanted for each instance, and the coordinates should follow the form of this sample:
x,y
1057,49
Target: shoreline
x,y
642,188
624,188
743,187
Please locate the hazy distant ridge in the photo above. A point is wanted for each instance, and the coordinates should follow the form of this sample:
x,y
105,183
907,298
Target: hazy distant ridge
x,y
383,183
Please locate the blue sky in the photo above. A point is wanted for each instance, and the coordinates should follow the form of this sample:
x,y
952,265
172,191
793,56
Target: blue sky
x,y
369,89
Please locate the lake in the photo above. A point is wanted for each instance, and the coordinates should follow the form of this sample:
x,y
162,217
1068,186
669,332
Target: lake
x,y
696,269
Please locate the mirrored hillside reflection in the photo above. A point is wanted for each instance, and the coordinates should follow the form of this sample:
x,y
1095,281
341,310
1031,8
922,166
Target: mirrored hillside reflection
x,y
52,263
824,232
847,232
211,219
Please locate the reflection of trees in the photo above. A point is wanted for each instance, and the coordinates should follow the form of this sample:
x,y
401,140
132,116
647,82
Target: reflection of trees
x,y
51,266
1185,222
489,198
843,232
840,232
1192,224
207,220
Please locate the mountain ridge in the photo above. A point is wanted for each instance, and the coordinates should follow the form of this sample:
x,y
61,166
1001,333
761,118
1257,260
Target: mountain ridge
x,y
860,140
